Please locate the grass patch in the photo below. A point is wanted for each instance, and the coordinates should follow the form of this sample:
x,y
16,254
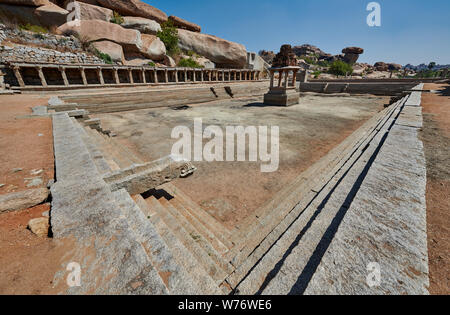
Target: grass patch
x,y
33,28
117,18
189,63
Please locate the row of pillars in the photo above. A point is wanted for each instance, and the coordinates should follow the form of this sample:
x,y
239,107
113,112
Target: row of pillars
x,y
206,75
283,74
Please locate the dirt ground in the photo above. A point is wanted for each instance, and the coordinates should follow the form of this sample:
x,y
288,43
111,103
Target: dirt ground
x,y
26,144
436,139
230,191
27,262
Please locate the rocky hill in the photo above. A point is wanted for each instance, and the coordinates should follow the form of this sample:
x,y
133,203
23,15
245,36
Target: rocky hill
x,y
128,32
320,63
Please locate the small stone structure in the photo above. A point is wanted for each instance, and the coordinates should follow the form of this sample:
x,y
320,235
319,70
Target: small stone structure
x,y
285,93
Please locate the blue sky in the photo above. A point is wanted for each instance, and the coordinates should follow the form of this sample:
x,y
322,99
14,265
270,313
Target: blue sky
x,y
412,31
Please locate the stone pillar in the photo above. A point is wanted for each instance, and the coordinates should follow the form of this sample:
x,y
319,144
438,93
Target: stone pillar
x,y
272,77
144,79
280,77
201,75
155,75
166,75
223,75
130,76
194,79
62,70
294,79
100,76
18,76
83,76
240,75
286,79
116,75
176,76
42,77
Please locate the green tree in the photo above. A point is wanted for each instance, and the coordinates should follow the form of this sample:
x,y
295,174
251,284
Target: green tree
x,y
432,65
169,36
340,67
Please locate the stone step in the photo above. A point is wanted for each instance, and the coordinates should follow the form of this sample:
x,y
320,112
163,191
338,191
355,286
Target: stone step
x,y
203,258
246,262
204,231
197,236
298,243
116,142
332,157
179,251
174,276
96,154
266,232
109,150
222,233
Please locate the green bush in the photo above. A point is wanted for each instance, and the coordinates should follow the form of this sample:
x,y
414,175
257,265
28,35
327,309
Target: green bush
x,y
33,28
152,64
169,36
105,57
316,74
117,18
340,67
189,63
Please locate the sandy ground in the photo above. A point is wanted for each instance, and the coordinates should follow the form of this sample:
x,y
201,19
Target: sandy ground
x,y
436,138
27,263
230,191
26,144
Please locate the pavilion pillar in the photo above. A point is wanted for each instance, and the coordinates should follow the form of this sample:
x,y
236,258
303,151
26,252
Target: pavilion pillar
x,y
62,70
144,79
272,76
194,79
130,76
41,76
223,75
166,76
83,76
116,75
155,75
100,76
18,76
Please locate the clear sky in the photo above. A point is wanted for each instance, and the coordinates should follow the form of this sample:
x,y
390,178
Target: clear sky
x,y
412,31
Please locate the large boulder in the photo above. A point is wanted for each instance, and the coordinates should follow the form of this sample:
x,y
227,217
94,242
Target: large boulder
x,y
268,56
32,3
308,50
351,54
51,15
183,24
143,25
96,30
381,66
114,50
220,51
394,67
135,8
93,12
153,47
48,15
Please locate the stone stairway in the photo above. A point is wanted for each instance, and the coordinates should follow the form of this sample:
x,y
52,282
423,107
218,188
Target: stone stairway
x,y
169,224
276,250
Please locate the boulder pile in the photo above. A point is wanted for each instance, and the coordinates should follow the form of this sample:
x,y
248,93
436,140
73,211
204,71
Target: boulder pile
x,y
126,30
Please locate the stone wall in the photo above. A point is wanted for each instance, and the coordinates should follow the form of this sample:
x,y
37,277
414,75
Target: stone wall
x,y
42,55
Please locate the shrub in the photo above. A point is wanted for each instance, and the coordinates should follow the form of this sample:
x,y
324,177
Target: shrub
x,y
189,63
152,64
33,28
316,74
340,67
105,57
117,18
169,36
